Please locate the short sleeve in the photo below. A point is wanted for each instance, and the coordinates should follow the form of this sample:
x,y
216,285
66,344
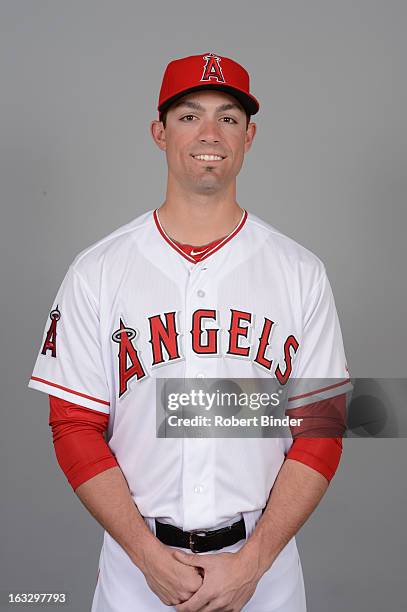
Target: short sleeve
x,y
320,368
69,363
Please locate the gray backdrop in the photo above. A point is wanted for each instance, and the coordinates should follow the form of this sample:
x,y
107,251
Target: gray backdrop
x,y
79,86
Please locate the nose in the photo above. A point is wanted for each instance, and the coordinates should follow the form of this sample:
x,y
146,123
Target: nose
x,y
209,132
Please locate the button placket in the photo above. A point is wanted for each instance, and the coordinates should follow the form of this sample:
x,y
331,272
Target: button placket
x,y
197,464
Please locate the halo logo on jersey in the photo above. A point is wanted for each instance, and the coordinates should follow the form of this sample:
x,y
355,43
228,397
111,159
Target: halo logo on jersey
x,y
212,69
50,343
127,353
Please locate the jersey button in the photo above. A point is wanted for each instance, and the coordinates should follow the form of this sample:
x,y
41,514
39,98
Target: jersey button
x,y
198,489
200,293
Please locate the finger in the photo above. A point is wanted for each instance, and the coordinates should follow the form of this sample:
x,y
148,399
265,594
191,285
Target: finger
x,y
197,602
191,559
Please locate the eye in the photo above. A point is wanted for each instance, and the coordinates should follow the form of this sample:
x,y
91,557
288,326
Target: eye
x,y
186,116
231,119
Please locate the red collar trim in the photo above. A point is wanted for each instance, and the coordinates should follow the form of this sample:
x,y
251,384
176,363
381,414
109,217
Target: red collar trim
x,y
211,251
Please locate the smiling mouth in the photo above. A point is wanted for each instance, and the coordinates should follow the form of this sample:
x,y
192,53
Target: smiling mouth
x,y
208,158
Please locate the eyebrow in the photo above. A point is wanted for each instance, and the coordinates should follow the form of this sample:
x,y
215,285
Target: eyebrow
x,y
199,107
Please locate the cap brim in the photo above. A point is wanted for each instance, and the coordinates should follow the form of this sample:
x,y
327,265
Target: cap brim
x,y
249,102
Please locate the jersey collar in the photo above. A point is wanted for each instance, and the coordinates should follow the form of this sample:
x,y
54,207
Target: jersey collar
x,y
210,252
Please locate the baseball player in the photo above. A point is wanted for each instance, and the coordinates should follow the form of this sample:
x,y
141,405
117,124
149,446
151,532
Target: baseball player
x,y
193,523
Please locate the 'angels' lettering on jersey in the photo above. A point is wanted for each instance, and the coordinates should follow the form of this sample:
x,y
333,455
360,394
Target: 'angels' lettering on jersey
x,y
166,345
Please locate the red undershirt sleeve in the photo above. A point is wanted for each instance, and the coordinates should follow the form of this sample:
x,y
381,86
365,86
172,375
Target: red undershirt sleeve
x,y
78,438
327,418
321,454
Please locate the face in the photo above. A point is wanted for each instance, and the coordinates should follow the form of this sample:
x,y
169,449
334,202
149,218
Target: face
x,y
199,124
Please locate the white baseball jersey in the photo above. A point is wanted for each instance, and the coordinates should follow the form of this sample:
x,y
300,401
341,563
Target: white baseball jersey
x,y
134,307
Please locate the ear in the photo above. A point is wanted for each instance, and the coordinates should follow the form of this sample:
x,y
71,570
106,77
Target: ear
x,y
157,130
249,136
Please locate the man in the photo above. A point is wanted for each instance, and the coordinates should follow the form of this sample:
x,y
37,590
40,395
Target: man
x,y
194,523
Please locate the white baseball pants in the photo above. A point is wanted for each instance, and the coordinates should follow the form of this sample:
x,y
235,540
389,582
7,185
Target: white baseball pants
x,y
121,586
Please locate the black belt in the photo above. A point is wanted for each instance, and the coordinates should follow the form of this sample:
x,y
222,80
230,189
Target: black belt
x,y
200,540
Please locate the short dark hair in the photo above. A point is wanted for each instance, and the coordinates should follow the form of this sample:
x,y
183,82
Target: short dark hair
x,y
163,117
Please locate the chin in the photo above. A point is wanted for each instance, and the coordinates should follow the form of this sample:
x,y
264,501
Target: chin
x,y
205,189
208,182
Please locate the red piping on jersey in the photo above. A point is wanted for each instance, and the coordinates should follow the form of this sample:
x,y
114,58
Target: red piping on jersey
x,y
47,382
211,251
296,397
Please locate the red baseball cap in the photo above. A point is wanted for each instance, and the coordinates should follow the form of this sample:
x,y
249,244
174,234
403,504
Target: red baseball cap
x,y
206,71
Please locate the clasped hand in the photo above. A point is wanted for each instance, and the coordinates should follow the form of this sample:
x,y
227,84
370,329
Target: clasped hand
x,y
221,582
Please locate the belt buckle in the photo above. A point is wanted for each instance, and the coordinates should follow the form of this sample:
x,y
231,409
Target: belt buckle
x,y
191,539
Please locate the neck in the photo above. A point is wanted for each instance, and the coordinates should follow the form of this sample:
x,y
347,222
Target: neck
x,y
198,219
